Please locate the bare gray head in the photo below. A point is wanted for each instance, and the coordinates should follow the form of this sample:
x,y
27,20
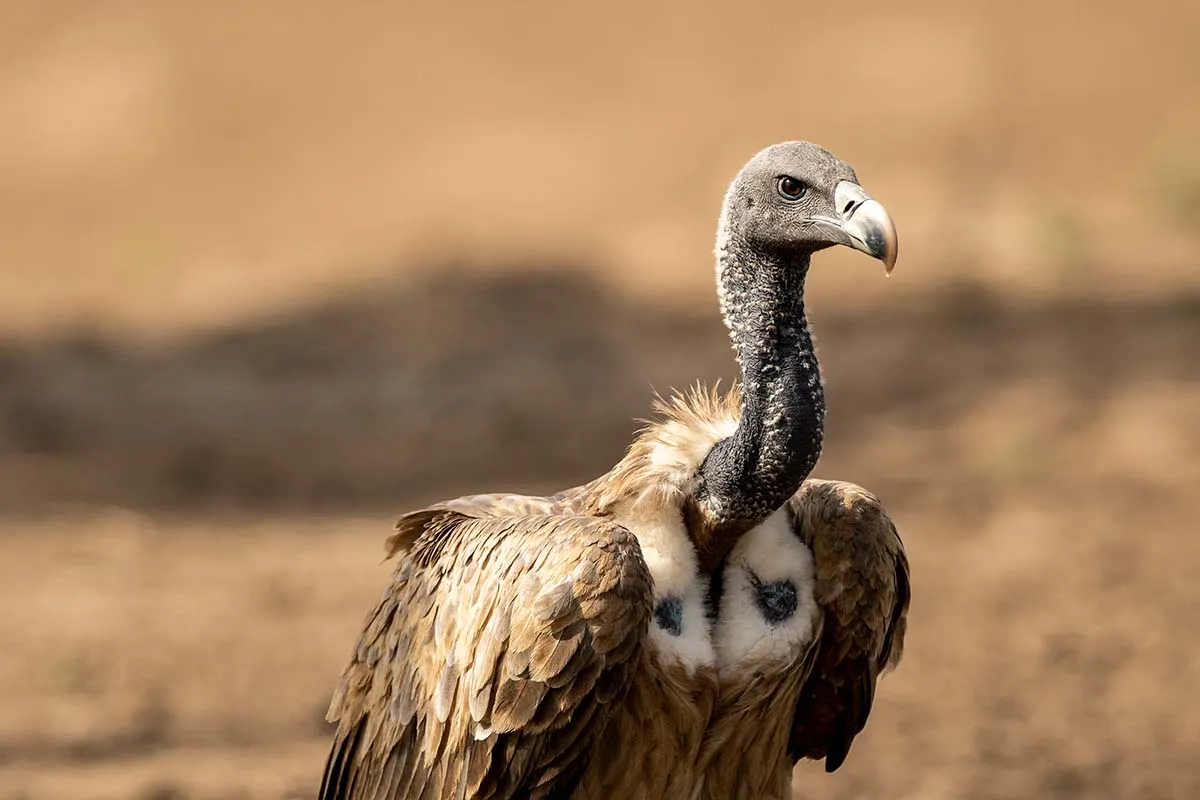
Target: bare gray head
x,y
791,200
797,198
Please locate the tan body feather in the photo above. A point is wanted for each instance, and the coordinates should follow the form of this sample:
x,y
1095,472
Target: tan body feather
x,y
745,749
650,747
514,652
811,699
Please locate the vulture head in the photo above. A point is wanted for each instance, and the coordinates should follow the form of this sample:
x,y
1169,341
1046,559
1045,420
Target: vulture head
x,y
795,198
788,202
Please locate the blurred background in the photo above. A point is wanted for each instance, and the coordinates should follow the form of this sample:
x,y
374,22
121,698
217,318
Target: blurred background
x,y
273,272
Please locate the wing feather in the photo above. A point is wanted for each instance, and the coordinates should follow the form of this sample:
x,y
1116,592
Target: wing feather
x,y
494,657
862,587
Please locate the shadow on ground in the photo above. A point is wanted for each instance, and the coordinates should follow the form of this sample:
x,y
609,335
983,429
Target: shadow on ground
x,y
524,380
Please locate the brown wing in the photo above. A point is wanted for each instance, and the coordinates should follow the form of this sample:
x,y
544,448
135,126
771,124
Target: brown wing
x,y
492,660
862,588
567,502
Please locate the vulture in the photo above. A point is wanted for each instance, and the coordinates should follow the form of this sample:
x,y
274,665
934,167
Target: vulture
x,y
689,624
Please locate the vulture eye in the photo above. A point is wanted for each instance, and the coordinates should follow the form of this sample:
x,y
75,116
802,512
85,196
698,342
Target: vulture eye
x,y
790,188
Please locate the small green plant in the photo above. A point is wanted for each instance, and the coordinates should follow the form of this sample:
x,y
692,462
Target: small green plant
x,y
1175,182
1063,235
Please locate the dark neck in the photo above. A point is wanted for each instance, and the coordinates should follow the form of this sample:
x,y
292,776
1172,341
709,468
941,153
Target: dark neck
x,y
748,476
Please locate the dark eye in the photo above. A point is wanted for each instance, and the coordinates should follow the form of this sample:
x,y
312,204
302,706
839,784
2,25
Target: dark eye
x,y
791,188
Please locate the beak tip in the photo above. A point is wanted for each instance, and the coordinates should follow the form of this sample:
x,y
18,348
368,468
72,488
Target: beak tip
x,y
866,224
891,245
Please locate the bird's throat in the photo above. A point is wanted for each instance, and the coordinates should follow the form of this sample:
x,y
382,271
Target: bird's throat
x,y
748,476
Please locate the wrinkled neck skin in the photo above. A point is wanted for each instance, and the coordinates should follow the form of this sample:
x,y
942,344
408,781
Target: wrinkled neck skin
x,y
778,440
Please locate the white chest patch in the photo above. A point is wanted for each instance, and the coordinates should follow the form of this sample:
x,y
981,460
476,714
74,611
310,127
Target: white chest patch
x,y
767,610
679,629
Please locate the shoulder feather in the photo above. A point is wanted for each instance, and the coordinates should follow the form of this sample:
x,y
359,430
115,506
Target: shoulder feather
x,y
496,635
862,587
667,452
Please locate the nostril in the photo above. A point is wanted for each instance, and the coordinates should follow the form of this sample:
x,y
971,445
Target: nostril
x,y
849,207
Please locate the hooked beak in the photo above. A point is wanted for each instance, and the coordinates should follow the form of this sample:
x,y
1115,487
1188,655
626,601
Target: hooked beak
x,y
864,223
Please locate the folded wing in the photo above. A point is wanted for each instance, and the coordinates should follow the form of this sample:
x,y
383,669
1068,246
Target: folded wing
x,y
493,658
862,587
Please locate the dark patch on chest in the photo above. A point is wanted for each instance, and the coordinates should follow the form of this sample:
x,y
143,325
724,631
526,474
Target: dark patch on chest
x,y
668,614
776,600
716,590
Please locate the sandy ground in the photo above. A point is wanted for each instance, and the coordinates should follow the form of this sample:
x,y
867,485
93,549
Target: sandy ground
x,y
271,277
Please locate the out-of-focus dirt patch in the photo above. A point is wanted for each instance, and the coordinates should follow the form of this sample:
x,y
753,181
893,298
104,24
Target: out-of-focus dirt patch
x,y
532,380
187,560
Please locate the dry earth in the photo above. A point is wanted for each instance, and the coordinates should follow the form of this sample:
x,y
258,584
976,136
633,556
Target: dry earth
x,y
273,275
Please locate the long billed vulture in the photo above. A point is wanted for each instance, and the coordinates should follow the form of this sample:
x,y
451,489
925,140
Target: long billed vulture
x,y
688,624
